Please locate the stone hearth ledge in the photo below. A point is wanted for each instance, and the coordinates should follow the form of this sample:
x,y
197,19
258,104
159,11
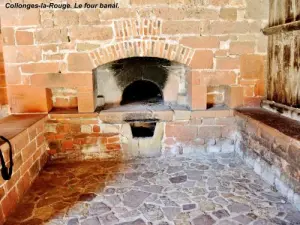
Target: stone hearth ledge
x,y
26,134
164,114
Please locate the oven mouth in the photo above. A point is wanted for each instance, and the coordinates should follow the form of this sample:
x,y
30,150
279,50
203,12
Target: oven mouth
x,y
142,92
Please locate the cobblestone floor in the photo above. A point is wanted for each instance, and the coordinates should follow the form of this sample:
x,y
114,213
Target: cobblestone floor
x,y
213,189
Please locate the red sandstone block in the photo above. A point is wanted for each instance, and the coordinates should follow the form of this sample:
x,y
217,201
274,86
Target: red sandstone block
x,y
8,36
13,180
235,96
218,2
73,102
63,128
18,161
185,139
67,145
50,136
23,184
19,54
180,130
252,66
214,78
239,48
170,141
200,42
3,96
223,113
36,155
248,91
96,128
9,202
63,80
52,67
20,17
2,82
13,74
252,101
113,140
85,102
24,37
61,103
79,62
228,13
228,131
88,121
225,121
40,140
75,128
91,33
20,141
103,140
221,53
197,96
113,147
2,220
228,63
91,140
60,136
34,169
209,132
259,89
27,164
202,59
28,99
28,150
2,71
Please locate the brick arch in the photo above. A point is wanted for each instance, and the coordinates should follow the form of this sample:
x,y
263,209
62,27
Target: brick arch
x,y
138,27
138,48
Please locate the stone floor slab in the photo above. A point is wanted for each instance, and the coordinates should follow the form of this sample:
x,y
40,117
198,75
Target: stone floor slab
x,y
211,189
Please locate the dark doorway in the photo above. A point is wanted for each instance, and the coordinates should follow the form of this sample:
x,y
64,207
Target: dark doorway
x,y
143,91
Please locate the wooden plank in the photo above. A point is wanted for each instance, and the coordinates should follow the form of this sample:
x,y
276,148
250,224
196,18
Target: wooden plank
x,y
282,28
297,9
289,11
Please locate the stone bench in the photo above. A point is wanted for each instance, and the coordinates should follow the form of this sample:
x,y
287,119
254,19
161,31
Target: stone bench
x,y
270,143
26,134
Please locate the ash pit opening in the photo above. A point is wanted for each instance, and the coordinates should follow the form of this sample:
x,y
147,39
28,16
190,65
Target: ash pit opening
x,y
143,128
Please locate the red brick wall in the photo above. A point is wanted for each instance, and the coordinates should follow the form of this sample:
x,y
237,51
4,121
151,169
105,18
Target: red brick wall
x,y
29,157
3,89
85,136
80,137
211,132
46,48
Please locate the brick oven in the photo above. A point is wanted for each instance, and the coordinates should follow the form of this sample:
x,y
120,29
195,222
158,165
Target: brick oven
x,y
147,79
104,75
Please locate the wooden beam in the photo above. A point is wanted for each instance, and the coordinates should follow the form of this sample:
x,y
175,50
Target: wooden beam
x,y
282,28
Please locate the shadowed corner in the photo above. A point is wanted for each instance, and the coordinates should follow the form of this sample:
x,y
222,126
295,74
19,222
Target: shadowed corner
x,y
65,190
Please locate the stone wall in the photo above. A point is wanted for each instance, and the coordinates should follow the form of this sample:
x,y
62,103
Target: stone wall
x,y
88,136
272,151
211,132
3,91
81,137
221,41
29,156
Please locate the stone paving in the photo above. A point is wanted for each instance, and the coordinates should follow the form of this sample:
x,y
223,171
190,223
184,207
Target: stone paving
x,y
213,189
